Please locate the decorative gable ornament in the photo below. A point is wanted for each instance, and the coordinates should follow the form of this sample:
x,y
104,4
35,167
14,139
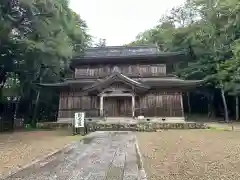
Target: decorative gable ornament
x,y
116,69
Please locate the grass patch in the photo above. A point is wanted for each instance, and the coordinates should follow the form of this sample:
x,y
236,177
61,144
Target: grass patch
x,y
218,128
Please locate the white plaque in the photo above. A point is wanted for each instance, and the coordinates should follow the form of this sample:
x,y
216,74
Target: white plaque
x,y
79,119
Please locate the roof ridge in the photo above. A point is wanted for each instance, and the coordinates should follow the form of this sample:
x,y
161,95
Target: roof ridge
x,y
121,47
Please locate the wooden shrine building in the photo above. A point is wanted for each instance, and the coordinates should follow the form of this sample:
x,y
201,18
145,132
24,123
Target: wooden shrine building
x,y
124,82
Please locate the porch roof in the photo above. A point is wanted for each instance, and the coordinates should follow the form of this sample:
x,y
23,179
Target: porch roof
x,y
116,77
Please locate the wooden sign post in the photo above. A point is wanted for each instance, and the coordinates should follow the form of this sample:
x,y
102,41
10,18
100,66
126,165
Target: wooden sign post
x,y
78,123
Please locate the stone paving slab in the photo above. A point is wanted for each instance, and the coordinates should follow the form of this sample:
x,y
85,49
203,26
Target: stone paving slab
x,y
100,156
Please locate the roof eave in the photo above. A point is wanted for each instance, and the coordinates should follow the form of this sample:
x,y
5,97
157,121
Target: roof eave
x,y
153,58
187,85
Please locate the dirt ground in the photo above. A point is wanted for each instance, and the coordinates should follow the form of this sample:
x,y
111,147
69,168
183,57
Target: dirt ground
x,y
20,148
191,154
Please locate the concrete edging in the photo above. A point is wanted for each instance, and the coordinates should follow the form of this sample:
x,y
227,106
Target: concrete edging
x,y
141,174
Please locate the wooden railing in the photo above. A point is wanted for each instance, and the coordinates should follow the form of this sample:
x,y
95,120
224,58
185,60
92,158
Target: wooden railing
x,y
128,70
131,75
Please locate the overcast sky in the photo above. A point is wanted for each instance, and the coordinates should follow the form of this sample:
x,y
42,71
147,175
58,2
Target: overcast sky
x,y
119,21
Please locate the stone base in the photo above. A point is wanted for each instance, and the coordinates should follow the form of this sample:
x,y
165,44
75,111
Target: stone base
x,y
127,119
165,119
137,126
69,120
54,125
64,120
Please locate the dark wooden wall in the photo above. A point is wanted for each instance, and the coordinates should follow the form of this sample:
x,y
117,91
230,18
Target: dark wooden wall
x,y
160,104
155,104
71,102
128,70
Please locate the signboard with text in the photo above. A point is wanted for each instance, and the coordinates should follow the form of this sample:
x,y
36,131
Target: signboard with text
x,y
79,119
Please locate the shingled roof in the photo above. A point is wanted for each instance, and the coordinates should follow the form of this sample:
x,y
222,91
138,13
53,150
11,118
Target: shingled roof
x,y
145,83
126,54
121,51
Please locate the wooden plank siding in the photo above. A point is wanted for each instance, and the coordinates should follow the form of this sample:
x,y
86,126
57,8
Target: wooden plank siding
x,y
160,104
139,70
154,104
72,102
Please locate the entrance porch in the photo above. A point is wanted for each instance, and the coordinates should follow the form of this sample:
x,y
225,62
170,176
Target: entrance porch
x,y
120,96
117,105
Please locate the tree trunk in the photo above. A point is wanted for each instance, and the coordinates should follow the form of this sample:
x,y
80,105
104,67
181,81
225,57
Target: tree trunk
x,y
17,98
210,105
3,79
237,108
224,106
16,108
189,104
34,120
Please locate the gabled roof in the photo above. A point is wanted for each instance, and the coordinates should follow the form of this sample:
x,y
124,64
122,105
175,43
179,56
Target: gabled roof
x,y
111,54
116,77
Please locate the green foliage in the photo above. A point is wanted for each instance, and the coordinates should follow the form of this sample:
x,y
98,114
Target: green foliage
x,y
38,39
211,30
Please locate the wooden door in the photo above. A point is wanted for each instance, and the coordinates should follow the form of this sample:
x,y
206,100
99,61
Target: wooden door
x,y
125,106
118,106
110,106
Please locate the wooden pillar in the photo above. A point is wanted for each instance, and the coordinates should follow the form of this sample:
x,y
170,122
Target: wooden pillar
x,y
237,108
133,106
189,103
101,105
182,108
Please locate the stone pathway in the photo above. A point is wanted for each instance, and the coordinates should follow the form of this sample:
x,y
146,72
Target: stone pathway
x,y
101,156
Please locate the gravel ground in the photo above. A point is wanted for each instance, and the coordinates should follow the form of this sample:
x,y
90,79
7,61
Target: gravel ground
x,y
20,148
191,154
100,156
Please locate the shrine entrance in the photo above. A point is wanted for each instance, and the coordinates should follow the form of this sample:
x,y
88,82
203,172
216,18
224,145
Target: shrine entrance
x,y
116,95
117,103
118,106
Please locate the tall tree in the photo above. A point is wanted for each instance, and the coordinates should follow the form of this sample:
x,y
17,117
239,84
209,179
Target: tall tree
x,y
209,28
36,37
